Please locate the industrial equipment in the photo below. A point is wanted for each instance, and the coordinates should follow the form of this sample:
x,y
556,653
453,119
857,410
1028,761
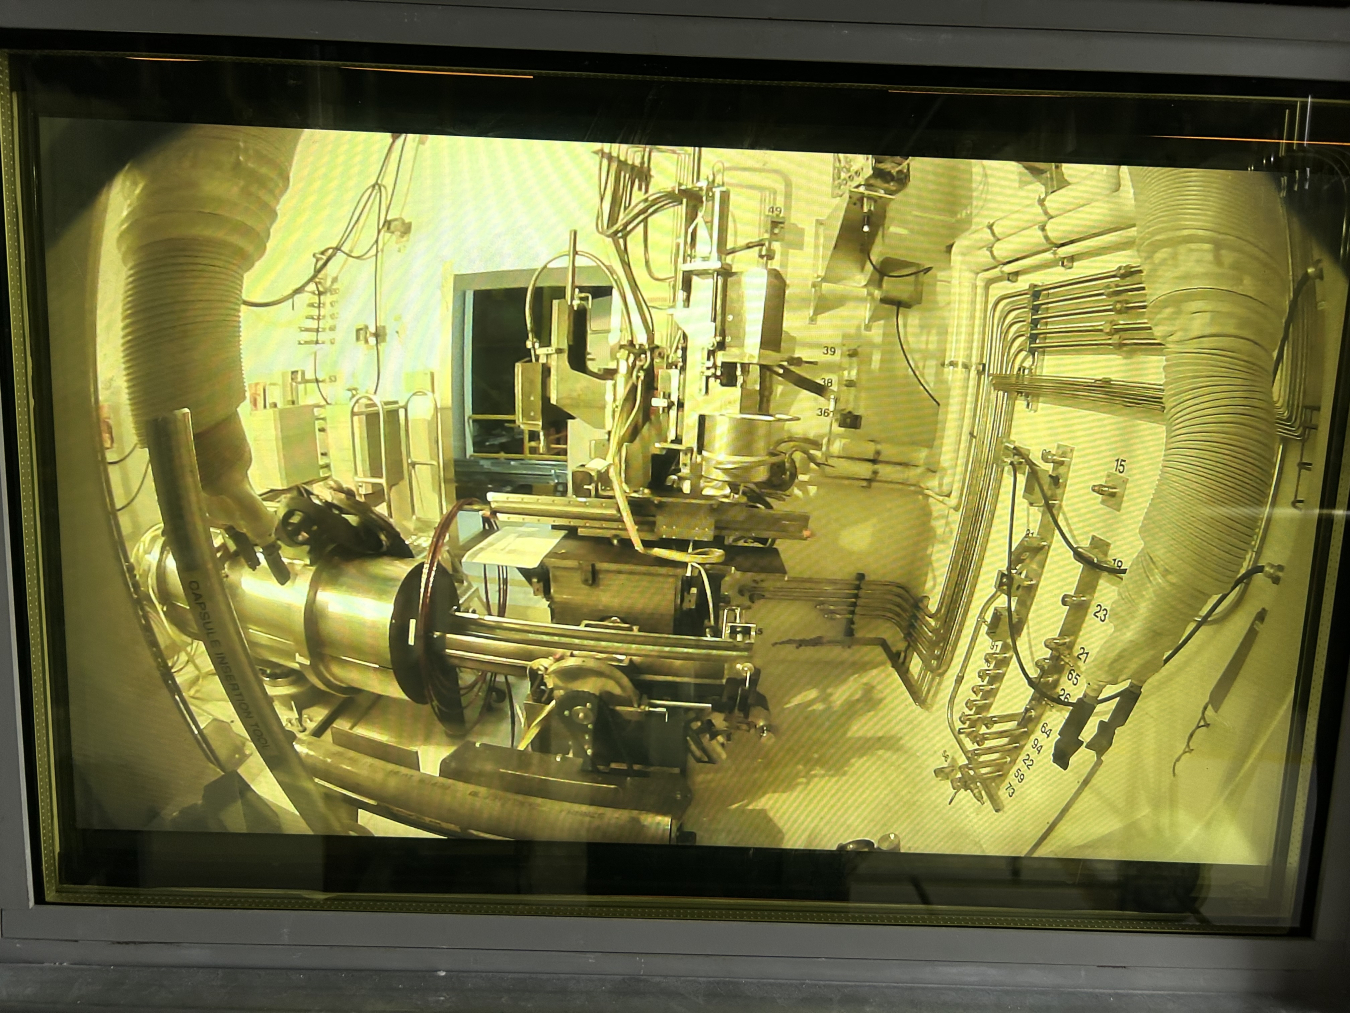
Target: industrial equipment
x,y
778,422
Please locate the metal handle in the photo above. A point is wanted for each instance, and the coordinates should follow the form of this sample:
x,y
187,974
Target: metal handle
x,y
372,480
435,463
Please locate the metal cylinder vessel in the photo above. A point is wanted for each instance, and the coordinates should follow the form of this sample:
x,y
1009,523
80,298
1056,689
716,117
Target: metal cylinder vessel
x,y
333,621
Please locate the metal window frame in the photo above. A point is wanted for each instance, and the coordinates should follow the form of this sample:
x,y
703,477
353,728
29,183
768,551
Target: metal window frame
x,y
1183,37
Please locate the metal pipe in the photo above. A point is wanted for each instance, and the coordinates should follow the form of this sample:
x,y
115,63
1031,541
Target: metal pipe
x,y
571,295
598,640
1145,400
173,460
1104,327
1097,292
980,476
1103,345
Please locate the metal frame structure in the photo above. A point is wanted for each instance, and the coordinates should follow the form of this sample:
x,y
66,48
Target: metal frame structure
x,y
169,958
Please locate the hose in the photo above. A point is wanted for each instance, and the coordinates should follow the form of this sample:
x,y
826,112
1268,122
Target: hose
x,y
198,215
532,339
461,807
1212,244
444,699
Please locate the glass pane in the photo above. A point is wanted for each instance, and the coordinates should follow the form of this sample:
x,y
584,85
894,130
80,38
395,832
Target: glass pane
x,y
898,503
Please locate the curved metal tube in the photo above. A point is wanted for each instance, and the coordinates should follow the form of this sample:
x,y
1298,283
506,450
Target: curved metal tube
x,y
174,462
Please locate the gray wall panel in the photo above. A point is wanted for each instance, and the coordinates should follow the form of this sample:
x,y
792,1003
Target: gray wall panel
x,y
1149,37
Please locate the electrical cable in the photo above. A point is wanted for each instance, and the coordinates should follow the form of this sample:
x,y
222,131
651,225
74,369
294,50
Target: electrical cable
x,y
1012,636
1064,810
511,708
639,300
903,274
1299,286
1081,555
326,258
1201,723
139,486
474,689
1243,577
647,258
383,214
421,641
375,332
412,174
754,244
1012,615
398,172
707,588
134,447
900,340
318,383
329,254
